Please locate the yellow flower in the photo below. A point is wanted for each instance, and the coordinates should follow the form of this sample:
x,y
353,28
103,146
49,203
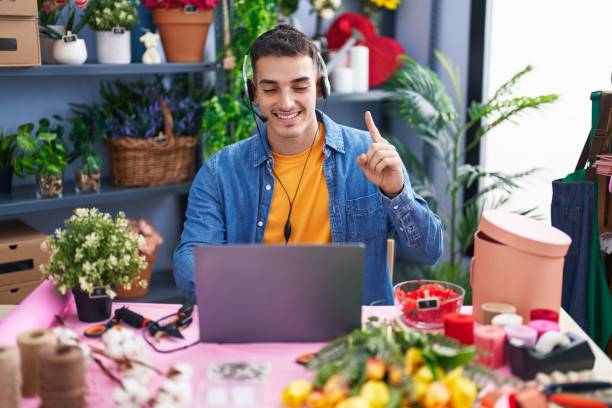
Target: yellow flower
x,y
375,368
296,392
354,402
413,360
438,395
316,399
388,4
335,389
376,393
463,391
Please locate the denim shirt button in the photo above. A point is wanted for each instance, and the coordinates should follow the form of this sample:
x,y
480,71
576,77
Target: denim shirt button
x,y
395,207
260,223
268,187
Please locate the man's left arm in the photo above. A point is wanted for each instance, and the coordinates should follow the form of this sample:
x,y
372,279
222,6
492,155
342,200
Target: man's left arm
x,y
418,229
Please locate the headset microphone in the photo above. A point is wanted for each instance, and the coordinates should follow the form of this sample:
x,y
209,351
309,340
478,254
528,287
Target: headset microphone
x,y
259,116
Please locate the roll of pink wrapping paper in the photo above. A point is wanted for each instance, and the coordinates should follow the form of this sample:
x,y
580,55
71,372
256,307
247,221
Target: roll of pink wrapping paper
x,y
37,310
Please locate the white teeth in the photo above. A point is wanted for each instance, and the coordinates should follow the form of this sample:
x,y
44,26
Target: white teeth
x,y
284,117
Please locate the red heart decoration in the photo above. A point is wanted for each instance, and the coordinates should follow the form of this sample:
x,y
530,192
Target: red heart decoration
x,y
384,51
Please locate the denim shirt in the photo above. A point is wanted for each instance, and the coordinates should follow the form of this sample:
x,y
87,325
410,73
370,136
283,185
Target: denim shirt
x,y
231,195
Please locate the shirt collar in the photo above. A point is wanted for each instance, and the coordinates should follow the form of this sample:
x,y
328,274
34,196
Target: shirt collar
x,y
333,140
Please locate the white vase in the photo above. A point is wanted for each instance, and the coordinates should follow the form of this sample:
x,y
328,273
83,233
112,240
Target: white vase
x,y
114,47
70,53
46,44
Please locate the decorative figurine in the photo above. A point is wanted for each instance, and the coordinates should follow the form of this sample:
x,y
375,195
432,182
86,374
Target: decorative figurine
x,y
150,56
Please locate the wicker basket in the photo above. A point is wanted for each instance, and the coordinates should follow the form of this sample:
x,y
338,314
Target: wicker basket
x,y
165,159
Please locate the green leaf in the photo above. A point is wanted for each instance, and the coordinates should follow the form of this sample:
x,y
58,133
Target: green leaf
x,y
47,137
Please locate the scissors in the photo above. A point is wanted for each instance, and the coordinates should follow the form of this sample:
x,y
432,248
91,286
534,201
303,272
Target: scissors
x,y
99,329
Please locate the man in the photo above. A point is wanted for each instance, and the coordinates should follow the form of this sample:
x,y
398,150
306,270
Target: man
x,y
305,179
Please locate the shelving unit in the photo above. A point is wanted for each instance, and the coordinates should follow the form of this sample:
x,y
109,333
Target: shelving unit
x,y
23,199
108,69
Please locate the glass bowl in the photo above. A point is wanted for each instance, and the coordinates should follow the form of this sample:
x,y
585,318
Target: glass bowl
x,y
424,303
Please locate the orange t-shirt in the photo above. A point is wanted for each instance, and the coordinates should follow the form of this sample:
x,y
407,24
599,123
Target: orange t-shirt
x,y
310,215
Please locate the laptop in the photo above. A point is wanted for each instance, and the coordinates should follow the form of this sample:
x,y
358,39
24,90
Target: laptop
x,y
278,293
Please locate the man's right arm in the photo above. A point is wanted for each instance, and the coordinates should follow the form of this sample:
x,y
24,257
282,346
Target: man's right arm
x,y
204,224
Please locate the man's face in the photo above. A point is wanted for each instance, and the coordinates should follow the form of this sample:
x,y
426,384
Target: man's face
x,y
286,93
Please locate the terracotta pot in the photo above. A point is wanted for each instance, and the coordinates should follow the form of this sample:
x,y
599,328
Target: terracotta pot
x,y
138,291
183,34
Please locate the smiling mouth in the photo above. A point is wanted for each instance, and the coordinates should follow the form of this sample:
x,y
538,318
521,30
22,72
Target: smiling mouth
x,y
287,116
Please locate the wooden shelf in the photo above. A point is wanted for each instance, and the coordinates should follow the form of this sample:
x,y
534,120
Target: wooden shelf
x,y
107,69
23,199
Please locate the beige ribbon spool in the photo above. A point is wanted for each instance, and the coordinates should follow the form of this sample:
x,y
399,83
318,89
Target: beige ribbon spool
x,y
490,310
31,344
62,377
10,377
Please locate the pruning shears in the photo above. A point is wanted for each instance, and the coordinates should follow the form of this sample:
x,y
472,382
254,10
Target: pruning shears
x,y
99,329
136,320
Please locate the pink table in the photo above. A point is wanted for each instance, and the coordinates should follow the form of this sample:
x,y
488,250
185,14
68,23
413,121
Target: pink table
x,y
39,309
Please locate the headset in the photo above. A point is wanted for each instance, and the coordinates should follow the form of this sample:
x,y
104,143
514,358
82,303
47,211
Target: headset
x,y
249,93
249,86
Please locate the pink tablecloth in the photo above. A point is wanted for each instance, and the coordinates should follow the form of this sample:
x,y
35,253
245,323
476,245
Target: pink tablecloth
x,y
43,304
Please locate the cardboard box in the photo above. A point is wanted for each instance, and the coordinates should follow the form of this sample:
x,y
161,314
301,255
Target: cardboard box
x,y
20,254
14,294
19,8
19,42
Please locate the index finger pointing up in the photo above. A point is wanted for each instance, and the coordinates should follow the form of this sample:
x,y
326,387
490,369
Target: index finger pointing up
x,y
376,137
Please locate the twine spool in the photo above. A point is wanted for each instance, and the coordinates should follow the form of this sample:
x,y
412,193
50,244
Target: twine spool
x,y
490,310
507,319
62,377
10,377
31,344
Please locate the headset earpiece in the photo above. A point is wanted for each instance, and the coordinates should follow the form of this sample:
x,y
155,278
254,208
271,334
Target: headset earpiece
x,y
324,85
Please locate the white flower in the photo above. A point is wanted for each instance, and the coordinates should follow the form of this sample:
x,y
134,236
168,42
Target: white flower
x,y
59,233
122,15
81,212
318,4
44,246
78,254
336,3
106,11
327,14
112,260
91,240
111,293
133,394
140,373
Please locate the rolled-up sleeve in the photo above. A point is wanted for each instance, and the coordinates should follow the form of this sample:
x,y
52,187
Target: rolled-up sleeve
x,y
204,224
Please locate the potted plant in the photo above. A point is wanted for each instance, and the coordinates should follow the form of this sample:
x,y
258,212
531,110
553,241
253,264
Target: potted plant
x,y
68,48
112,21
49,17
7,149
183,26
43,155
87,126
89,256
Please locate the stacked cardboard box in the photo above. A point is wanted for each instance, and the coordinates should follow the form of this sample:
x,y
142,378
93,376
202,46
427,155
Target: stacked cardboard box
x,y
19,41
20,259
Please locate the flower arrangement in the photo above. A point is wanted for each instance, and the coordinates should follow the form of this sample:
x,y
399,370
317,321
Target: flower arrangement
x,y
108,14
385,366
75,20
325,8
93,251
200,4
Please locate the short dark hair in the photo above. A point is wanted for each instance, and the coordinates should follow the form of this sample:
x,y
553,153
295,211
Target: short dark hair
x,y
283,41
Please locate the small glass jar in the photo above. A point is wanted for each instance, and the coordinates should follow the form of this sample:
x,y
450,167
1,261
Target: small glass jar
x,y
88,182
49,186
